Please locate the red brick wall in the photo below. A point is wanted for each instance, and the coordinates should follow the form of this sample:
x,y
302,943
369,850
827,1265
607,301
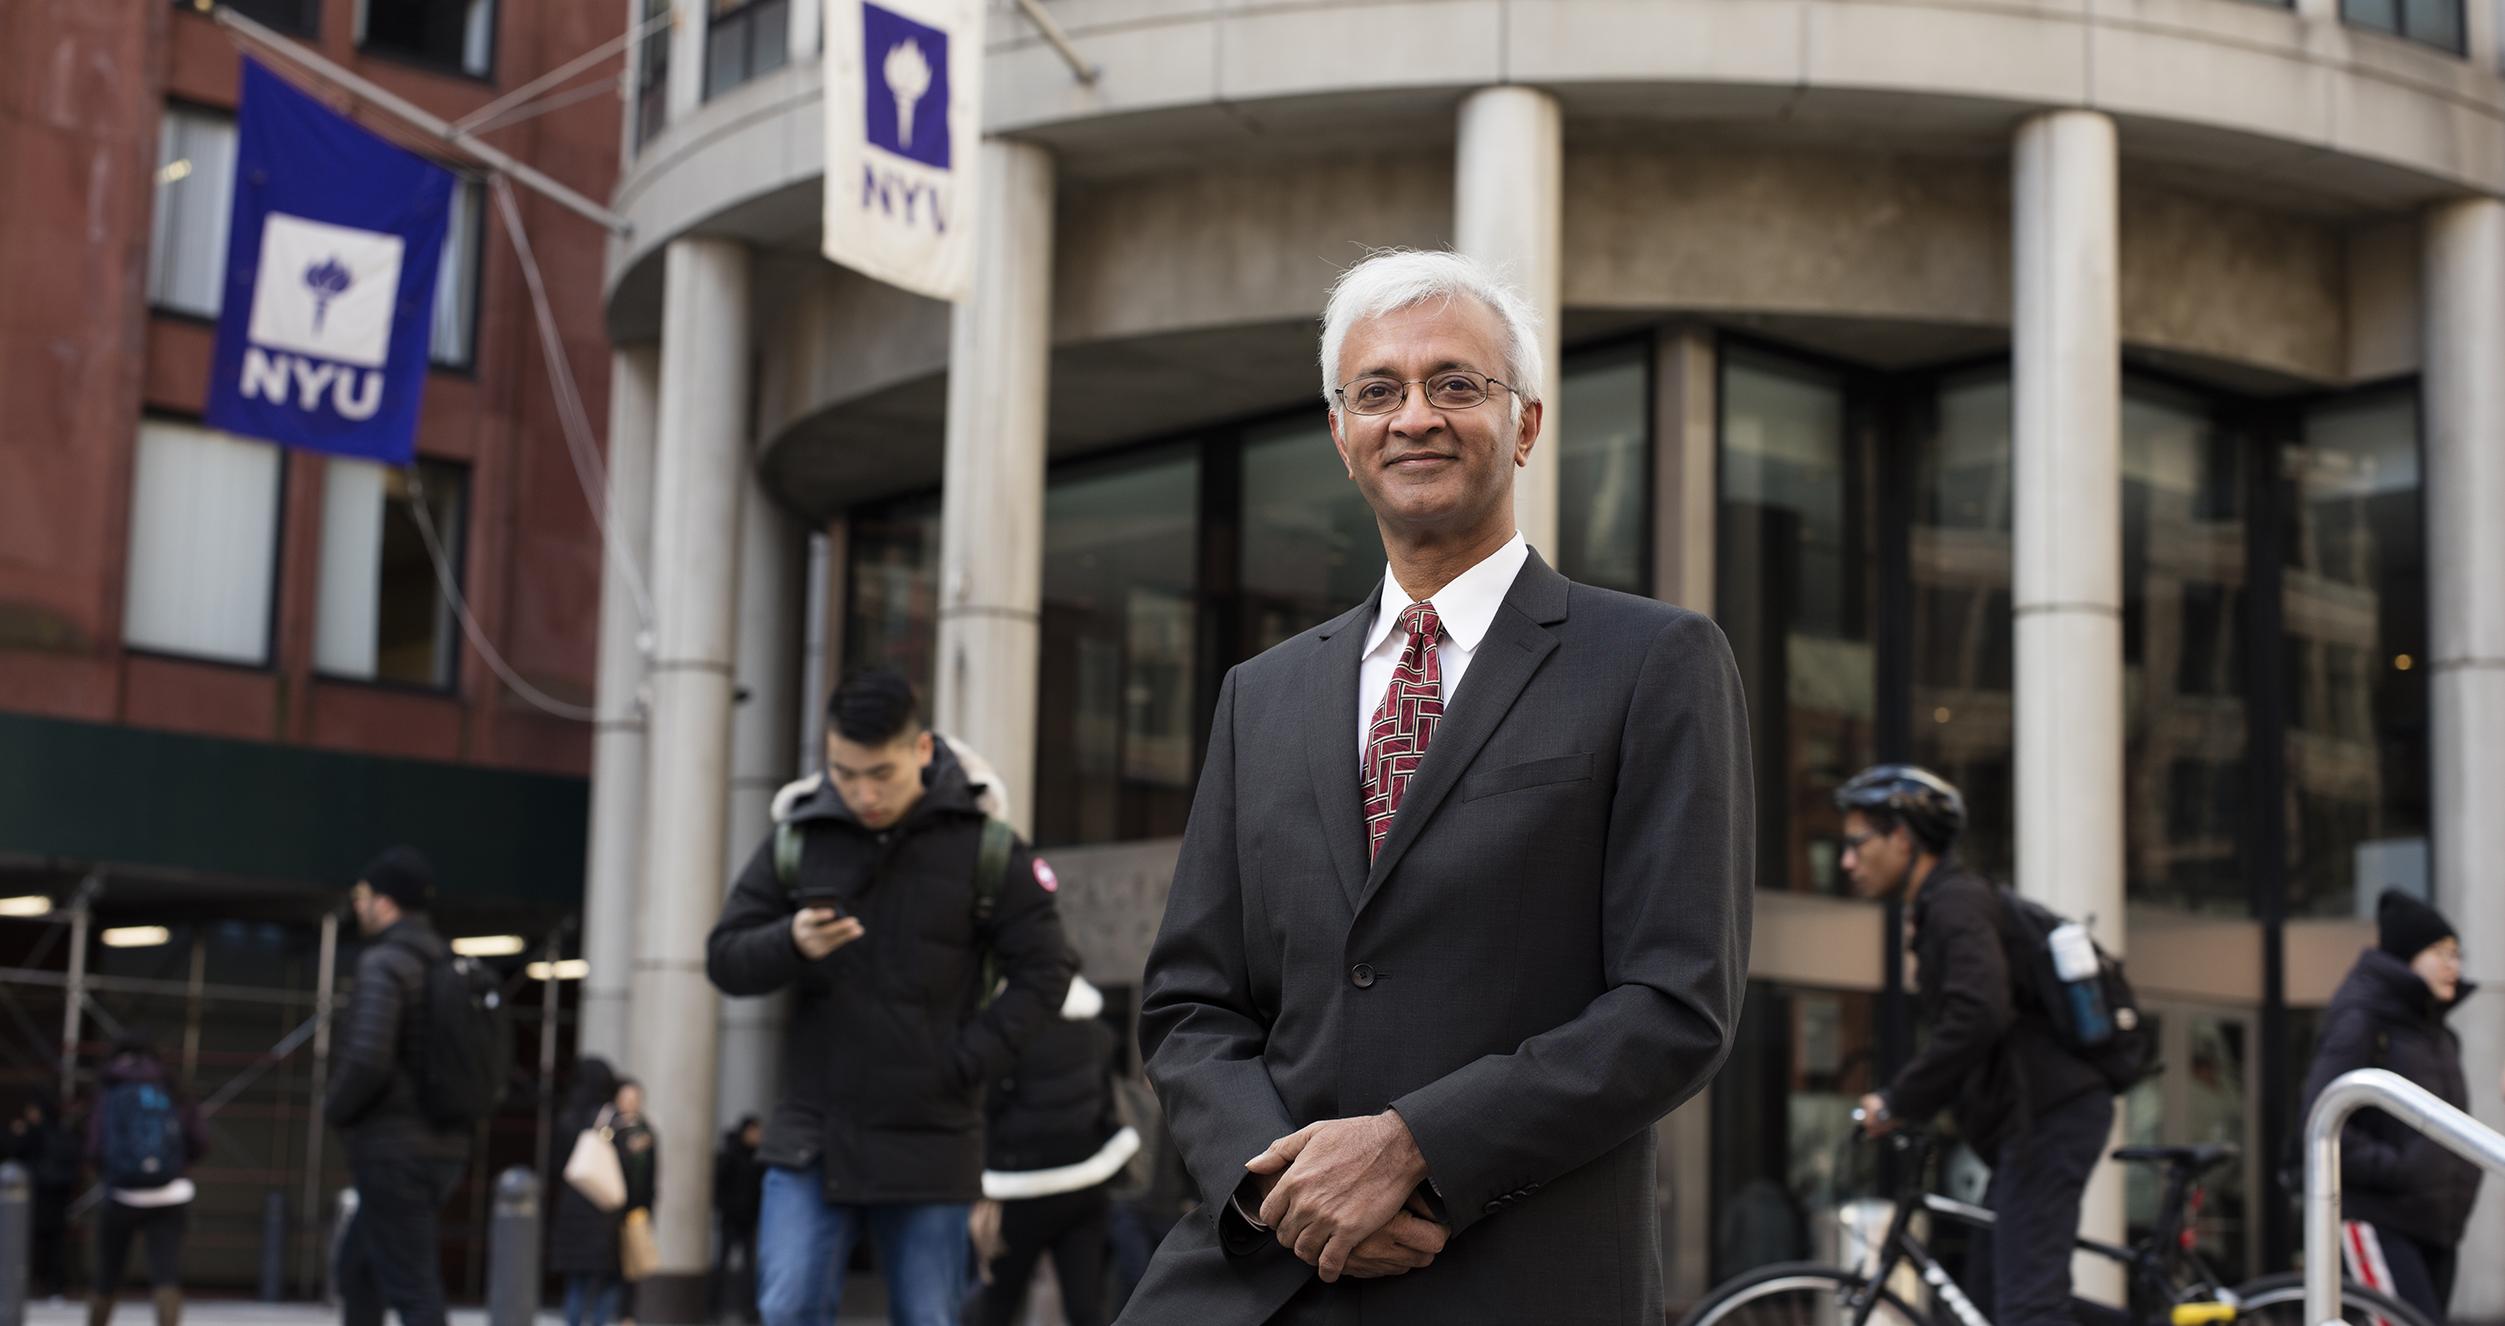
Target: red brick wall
x,y
82,357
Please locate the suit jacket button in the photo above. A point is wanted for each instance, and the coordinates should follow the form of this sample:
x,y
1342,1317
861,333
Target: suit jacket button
x,y
1361,976
1492,1208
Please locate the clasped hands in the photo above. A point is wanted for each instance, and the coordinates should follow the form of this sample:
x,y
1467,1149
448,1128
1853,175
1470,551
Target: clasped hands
x,y
1343,1195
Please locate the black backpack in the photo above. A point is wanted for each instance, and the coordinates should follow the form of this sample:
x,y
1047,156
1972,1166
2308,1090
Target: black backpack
x,y
466,1044
2096,1018
991,861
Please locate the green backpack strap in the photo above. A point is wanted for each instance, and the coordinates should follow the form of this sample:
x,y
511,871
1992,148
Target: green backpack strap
x,y
990,863
786,853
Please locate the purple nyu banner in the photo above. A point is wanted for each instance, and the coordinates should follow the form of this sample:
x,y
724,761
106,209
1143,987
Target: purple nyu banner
x,y
330,280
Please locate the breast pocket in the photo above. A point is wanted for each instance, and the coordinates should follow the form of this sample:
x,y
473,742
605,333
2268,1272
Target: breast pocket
x,y
1529,773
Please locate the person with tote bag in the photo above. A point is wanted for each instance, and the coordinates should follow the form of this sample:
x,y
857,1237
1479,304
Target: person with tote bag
x,y
639,1251
589,1212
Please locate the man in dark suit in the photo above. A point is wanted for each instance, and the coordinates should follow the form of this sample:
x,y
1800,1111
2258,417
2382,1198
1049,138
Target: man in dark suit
x,y
1463,907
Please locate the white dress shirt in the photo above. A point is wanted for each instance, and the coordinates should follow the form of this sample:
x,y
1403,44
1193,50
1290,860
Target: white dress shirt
x,y
1466,607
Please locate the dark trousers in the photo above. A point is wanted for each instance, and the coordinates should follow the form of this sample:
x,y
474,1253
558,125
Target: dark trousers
x,y
2035,1206
735,1275
1076,1230
392,1254
48,1271
2418,1274
159,1231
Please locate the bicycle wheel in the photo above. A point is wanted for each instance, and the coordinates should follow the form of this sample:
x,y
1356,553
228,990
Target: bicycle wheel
x,y
2279,1300
1798,1294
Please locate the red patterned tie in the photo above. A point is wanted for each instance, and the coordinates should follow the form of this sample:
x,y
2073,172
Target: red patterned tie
x,y
1403,724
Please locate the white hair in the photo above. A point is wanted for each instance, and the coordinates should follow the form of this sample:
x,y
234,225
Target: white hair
x,y
1389,280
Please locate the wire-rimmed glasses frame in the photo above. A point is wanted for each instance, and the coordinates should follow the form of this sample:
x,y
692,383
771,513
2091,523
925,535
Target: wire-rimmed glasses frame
x,y
1452,389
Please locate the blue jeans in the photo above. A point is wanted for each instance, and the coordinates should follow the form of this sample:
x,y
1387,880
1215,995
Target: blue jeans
x,y
804,1242
592,1300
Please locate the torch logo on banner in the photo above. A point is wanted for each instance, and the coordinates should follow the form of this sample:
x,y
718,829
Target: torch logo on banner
x,y
321,316
905,112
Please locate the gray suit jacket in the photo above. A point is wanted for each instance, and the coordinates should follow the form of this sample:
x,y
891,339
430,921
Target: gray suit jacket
x,y
1546,958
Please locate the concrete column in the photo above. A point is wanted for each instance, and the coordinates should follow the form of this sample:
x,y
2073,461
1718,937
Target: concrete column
x,y
687,58
992,489
763,725
2065,347
1509,211
700,475
807,21
1687,491
613,879
2463,293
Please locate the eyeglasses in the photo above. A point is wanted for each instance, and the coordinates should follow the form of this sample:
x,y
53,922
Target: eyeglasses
x,y
1456,390
1854,842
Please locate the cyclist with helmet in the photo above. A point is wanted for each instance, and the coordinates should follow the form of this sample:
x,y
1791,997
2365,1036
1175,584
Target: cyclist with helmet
x,y
2037,1114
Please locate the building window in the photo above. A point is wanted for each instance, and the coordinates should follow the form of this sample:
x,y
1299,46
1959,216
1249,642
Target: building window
x,y
1118,710
891,616
383,613
2353,594
203,544
296,16
2435,22
652,76
1310,548
455,328
1605,470
448,34
195,194
1959,600
1782,1123
1794,575
744,40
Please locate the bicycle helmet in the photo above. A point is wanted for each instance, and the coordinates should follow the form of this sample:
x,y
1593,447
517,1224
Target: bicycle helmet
x,y
1925,802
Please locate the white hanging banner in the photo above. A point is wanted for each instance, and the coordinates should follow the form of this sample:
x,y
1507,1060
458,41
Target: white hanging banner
x,y
904,113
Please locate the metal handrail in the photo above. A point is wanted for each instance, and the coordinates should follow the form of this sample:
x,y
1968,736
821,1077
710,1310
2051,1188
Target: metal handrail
x,y
2404,1100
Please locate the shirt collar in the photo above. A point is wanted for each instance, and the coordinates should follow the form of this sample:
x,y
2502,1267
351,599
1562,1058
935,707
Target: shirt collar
x,y
1466,607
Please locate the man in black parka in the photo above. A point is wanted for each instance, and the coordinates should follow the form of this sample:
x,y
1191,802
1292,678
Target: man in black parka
x,y
2039,1115
873,918
2404,1199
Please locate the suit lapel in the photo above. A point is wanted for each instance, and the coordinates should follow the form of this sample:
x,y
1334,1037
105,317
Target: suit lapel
x,y
1517,642
1331,743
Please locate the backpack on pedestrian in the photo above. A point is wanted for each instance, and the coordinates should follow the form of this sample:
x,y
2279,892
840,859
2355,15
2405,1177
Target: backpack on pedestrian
x,y
467,1045
2062,972
143,1137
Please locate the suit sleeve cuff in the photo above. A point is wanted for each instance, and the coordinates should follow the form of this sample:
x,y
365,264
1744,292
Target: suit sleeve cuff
x,y
1240,1234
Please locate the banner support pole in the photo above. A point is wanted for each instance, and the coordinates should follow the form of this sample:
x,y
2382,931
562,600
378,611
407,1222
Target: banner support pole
x,y
391,104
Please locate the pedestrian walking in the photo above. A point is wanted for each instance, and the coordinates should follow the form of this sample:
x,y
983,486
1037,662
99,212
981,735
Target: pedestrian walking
x,y
2404,1199
142,1141
885,900
738,1193
639,1158
583,1248
1052,1146
42,1142
392,1102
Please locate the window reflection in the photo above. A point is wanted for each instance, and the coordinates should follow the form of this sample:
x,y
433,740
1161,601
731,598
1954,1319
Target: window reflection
x,y
1793,570
1310,547
1604,468
1959,558
1783,1155
1116,710
2183,628
892,617
2353,590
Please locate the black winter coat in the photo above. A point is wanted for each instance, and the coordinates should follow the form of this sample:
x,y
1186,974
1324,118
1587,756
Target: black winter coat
x,y
889,1044
1054,1106
1991,1061
373,1099
582,1238
738,1186
2384,1016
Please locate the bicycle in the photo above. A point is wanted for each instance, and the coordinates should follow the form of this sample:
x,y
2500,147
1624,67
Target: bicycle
x,y
2170,1285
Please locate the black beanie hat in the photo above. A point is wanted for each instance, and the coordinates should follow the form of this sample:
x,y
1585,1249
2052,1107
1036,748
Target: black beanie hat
x,y
2406,927
402,875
